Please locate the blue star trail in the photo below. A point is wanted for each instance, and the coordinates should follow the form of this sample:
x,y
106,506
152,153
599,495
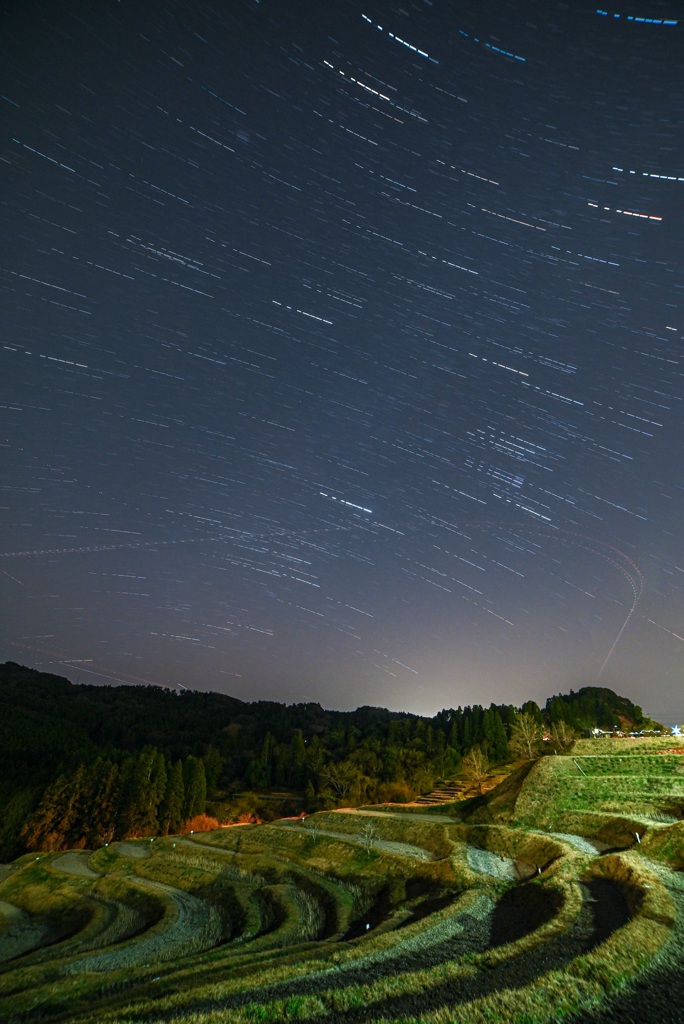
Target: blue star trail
x,y
342,348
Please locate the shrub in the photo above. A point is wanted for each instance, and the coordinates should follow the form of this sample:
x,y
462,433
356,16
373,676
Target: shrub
x,y
201,823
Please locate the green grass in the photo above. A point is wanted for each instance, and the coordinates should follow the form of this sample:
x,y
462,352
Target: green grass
x,y
321,921
652,787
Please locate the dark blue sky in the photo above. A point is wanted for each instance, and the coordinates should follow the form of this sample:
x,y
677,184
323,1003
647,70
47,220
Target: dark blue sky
x,y
342,348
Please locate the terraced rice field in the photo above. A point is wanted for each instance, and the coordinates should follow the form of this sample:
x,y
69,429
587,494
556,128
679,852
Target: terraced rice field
x,y
605,777
490,910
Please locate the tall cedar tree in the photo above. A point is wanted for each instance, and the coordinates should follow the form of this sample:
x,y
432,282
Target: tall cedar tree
x,y
171,809
195,787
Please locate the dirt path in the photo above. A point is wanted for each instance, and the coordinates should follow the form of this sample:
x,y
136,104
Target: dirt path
x,y
403,849
445,819
197,845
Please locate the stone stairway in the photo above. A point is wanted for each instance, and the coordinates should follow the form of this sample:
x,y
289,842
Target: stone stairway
x,y
442,795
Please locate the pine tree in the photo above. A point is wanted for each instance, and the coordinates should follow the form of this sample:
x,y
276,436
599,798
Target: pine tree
x,y
48,826
141,779
121,813
260,769
298,771
195,787
16,812
100,820
556,709
477,724
157,782
430,739
530,707
171,809
81,798
281,764
213,765
315,756
310,797
495,734
467,739
440,752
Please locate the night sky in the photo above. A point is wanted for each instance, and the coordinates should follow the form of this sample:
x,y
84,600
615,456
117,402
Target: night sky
x,y
342,348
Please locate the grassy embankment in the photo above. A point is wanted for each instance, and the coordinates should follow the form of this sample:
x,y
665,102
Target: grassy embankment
x,y
532,903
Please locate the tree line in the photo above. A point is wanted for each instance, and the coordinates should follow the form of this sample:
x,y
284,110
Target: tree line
x,y
84,765
143,795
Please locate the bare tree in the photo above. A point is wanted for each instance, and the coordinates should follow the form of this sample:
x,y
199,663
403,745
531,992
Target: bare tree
x,y
526,735
475,767
341,777
368,834
562,737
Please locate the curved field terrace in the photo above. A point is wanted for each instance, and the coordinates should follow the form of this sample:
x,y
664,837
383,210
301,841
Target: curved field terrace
x,y
536,903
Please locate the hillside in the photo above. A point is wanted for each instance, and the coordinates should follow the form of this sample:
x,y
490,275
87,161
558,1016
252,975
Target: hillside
x,y
459,914
83,764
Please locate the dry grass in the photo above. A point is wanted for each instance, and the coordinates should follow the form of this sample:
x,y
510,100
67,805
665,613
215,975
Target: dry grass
x,y
275,916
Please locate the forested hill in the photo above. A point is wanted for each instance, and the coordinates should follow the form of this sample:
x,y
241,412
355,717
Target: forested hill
x,y
84,764
595,706
45,720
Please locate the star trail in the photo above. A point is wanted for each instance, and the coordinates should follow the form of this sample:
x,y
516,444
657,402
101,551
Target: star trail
x,y
342,348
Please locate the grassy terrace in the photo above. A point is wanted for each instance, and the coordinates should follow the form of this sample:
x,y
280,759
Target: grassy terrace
x,y
605,777
532,904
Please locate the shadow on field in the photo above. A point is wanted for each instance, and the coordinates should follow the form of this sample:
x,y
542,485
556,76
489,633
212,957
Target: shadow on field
x,y
522,910
382,907
371,918
428,906
603,911
657,998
